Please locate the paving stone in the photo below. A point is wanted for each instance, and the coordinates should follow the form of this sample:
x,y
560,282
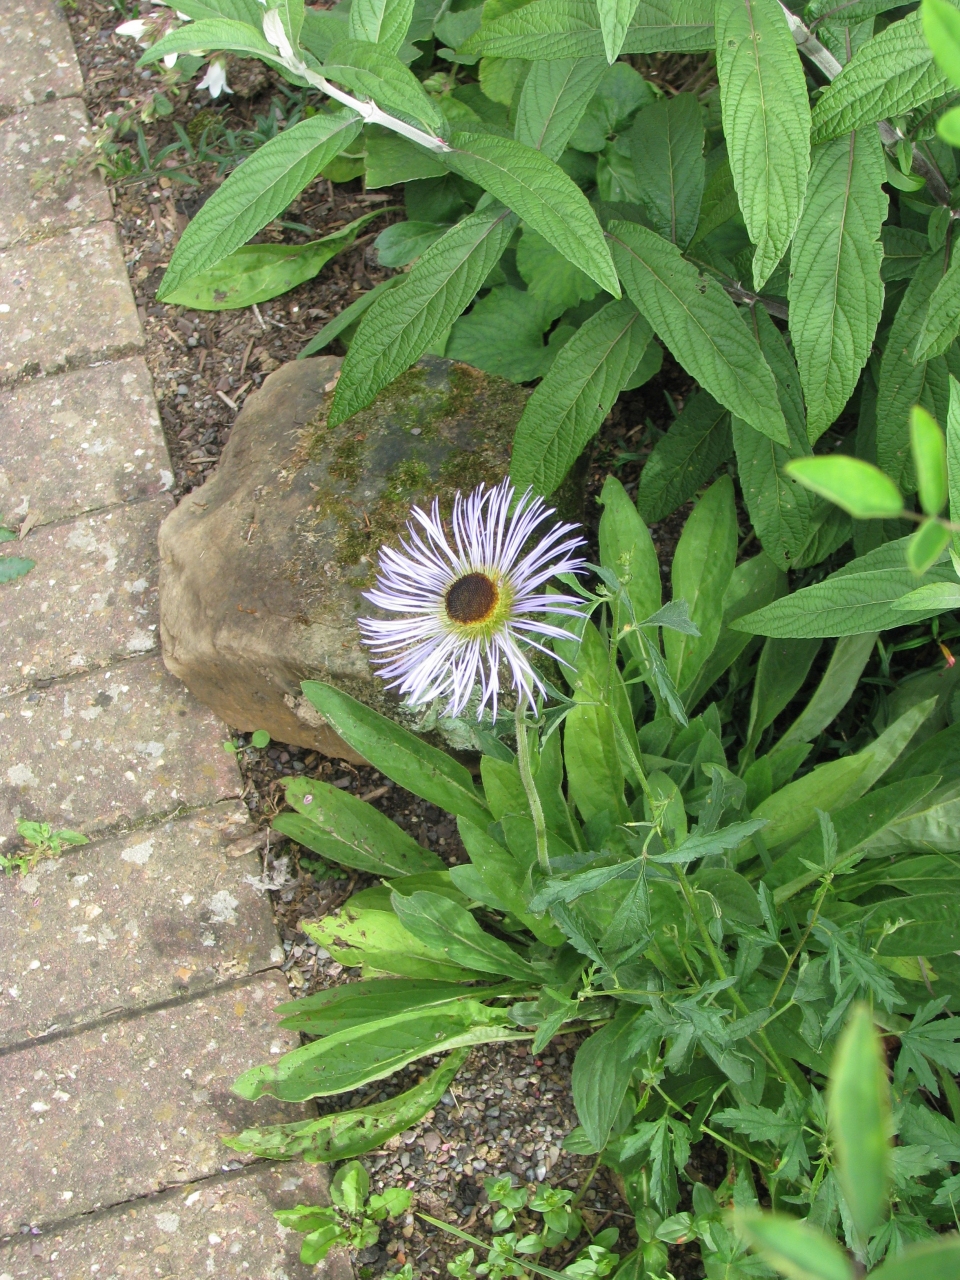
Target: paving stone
x,y
223,1227
65,302
91,598
123,744
132,1106
37,61
44,190
83,440
133,921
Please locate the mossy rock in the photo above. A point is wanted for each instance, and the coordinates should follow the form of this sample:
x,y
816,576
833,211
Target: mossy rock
x,y
263,567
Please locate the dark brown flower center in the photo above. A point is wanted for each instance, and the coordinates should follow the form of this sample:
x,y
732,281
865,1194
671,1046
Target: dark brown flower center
x,y
472,598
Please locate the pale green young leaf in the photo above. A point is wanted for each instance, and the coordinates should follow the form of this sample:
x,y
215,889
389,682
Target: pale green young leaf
x,y
403,322
858,1104
257,191
948,127
627,548
891,75
500,78
766,120
666,147
835,290
553,99
797,1250
530,184
702,565
566,409
700,324
382,22
925,547
615,18
929,449
696,444
376,73
932,598
941,324
941,27
858,487
932,1260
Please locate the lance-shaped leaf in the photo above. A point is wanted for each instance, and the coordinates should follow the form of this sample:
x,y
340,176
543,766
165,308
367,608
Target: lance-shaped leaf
x,y
375,73
382,22
553,99
566,409
250,11
889,76
601,1075
449,928
348,316
402,323
215,35
530,184
700,325
857,486
835,290
666,146
941,323
859,1109
797,1250
256,192
615,18
766,120
697,442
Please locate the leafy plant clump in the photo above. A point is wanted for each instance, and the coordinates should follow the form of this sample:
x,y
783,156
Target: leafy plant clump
x,y
713,900
41,842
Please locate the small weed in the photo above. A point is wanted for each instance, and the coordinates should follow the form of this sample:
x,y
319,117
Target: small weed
x,y
353,1218
42,842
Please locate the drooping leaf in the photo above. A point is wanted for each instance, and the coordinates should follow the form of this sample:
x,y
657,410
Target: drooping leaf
x,y
213,35
382,22
859,1110
566,409
766,121
666,147
697,442
553,99
370,936
700,325
835,291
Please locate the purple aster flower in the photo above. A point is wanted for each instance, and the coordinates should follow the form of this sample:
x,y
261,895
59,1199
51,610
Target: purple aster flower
x,y
473,602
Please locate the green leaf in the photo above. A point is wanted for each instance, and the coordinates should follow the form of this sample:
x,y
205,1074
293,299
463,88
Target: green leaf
x,y
835,290
401,324
857,486
541,193
858,1103
620,95
347,1134
594,772
926,547
700,324
615,18
941,324
627,548
889,76
256,192
452,930
399,754
902,251
504,335
369,1000
321,30
702,565
382,22
403,242
782,669
953,454
348,316
697,442
931,1260
766,120
550,29
372,938
550,277
346,830
601,1076
797,1250
941,27
553,99
836,687
213,34
392,159
377,74
566,409
258,272
929,449
12,567
249,11
666,147
859,597
935,597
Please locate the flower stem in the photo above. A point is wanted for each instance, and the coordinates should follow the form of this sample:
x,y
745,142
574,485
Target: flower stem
x,y
526,777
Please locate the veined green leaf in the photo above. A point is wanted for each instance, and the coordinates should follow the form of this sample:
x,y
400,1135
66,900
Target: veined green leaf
x,y
249,11
214,34
373,72
615,18
451,929
700,325
857,486
666,147
835,290
696,444
925,547
347,317
369,1000
941,323
953,454
627,548
766,120
941,26
321,30
372,938
601,1075
550,277
401,324
553,99
889,76
858,1102
933,1260
503,334
257,192
834,691
566,409
382,22
541,193
797,1250
929,449
549,29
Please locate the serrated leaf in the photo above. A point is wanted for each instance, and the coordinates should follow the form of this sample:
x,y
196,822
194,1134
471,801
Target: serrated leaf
x,y
553,99
375,73
857,486
402,323
891,75
700,324
548,29
835,290
601,1075
615,18
766,120
566,410
255,193
941,323
382,22
666,147
696,444
530,184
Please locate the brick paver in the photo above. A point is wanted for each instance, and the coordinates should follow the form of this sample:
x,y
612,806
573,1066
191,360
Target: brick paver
x,y
65,302
47,180
95,577
160,912
223,1227
37,61
80,441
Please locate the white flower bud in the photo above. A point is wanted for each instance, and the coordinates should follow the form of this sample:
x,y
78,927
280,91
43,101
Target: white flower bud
x,y
275,34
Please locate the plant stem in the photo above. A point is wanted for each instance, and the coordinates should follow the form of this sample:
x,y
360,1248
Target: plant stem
x,y
529,786
590,1177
